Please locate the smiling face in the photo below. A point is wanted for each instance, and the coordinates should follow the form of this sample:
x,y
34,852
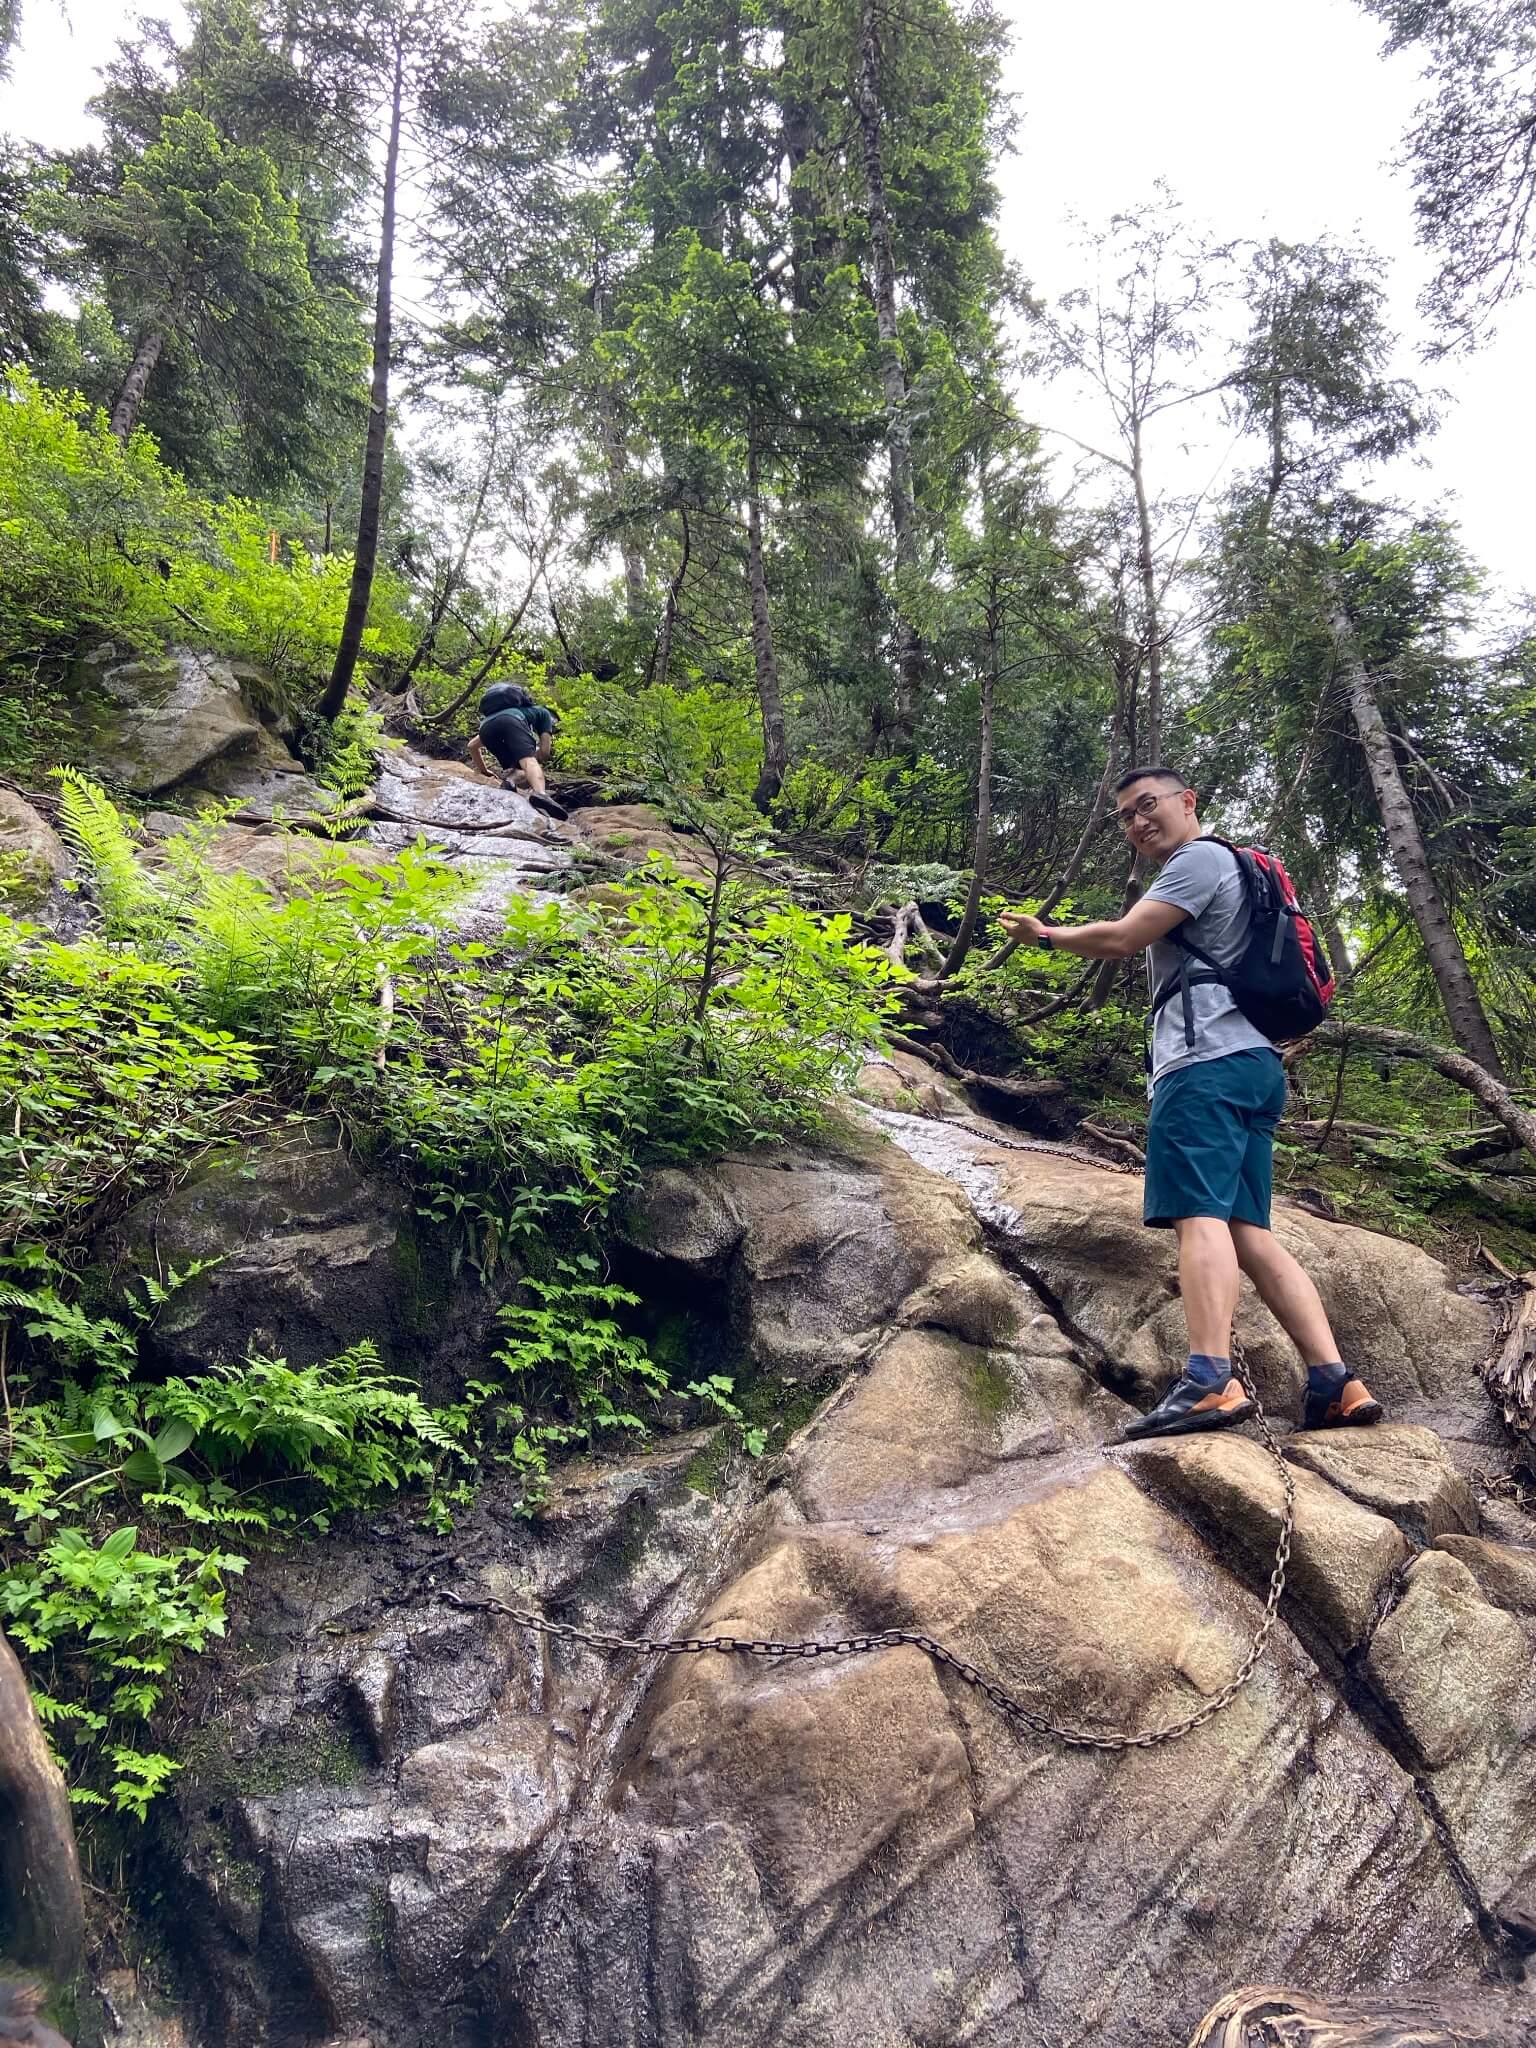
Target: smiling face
x,y
1157,815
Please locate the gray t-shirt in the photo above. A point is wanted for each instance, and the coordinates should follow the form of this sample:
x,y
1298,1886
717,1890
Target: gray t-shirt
x,y
1202,878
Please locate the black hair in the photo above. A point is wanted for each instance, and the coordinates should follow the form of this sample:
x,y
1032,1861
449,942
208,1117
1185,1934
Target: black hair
x,y
1153,772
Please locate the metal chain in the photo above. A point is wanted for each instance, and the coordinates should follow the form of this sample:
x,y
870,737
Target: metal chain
x,y
857,1646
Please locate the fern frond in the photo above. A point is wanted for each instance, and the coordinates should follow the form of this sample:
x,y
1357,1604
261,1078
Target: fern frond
x,y
103,841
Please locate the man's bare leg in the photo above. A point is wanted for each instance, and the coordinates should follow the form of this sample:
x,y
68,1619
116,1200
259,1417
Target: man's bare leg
x,y
1286,1290
1209,1280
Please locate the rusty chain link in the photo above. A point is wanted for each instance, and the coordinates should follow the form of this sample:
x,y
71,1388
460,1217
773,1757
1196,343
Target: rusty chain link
x,y
891,1638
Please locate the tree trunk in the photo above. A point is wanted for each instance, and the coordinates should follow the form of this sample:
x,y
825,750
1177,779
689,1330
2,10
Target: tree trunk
x,y
967,931
1152,733
661,661
371,509
1463,1008
125,411
893,379
454,577
41,1903
775,744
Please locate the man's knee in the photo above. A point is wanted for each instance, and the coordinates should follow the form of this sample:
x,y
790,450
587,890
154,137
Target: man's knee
x,y
1257,1247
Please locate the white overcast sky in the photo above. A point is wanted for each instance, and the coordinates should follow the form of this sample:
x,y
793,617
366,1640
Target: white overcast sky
x,y
1265,116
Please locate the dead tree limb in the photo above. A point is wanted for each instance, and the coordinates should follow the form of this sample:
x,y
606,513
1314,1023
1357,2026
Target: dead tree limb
x,y
1455,1066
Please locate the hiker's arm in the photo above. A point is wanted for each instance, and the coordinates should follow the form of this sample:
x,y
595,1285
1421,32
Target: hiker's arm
x,y
1111,938
477,755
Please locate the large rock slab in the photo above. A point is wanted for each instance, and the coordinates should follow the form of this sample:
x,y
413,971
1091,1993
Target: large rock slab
x,y
420,1824
1078,1234
1458,1672
151,722
1398,1471
310,1252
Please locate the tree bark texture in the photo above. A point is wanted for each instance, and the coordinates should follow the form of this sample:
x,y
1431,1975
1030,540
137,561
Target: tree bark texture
x,y
125,410
769,695
661,660
893,379
40,1895
371,510
1463,1008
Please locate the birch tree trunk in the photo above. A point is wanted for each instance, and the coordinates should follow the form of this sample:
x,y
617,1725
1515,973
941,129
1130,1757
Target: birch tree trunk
x,y
371,510
893,379
1463,1007
769,696
125,410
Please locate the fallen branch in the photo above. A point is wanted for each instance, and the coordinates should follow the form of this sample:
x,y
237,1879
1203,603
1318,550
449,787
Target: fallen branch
x,y
1123,1146
385,815
1455,1066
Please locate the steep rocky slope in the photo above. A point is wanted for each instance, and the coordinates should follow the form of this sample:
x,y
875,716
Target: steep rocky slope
x,y
407,1821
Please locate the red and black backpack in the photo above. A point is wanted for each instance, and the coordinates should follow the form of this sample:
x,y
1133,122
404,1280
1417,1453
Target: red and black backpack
x,y
1281,981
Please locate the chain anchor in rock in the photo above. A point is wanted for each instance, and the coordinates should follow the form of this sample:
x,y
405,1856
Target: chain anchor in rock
x,y
1014,1710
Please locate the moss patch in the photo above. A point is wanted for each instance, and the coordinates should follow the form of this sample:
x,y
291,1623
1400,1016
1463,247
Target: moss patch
x,y
991,1388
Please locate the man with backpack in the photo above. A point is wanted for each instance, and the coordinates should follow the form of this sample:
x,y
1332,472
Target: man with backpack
x,y
519,734
1230,954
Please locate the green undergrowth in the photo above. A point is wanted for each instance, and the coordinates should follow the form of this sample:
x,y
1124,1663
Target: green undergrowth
x,y
517,1084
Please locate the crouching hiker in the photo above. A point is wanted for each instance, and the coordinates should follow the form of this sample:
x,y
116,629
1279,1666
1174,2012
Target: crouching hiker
x,y
1227,945
519,734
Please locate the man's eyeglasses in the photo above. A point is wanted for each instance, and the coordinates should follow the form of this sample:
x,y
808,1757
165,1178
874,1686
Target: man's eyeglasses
x,y
1143,807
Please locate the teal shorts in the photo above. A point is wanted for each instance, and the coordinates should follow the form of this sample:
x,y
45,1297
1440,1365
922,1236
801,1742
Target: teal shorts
x,y
1210,1139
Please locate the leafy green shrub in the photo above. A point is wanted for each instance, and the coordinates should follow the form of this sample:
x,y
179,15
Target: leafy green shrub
x,y
103,541
654,740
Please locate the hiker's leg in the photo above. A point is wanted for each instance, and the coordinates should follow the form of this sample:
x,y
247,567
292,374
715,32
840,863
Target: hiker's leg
x,y
1286,1290
533,772
1208,1282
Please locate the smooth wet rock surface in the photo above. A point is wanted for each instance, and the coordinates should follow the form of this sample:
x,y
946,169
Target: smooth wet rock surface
x,y
480,1837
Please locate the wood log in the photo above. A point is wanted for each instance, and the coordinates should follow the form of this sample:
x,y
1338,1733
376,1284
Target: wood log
x,y
39,1865
1511,1376
1268,2016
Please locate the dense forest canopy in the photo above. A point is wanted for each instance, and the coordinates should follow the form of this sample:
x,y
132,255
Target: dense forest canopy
x,y
668,357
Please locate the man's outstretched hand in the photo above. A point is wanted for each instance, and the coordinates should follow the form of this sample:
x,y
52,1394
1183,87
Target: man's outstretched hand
x,y
1019,925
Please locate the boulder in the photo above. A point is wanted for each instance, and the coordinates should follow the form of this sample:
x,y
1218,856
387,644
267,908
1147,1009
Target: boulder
x,y
33,858
1397,1470
1078,1237
631,833
1505,1572
1342,1558
899,1080
310,1252
1458,1674
148,723
265,780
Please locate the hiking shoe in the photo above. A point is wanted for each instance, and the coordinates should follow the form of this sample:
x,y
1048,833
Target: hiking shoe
x,y
547,805
1345,1404
1189,1405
